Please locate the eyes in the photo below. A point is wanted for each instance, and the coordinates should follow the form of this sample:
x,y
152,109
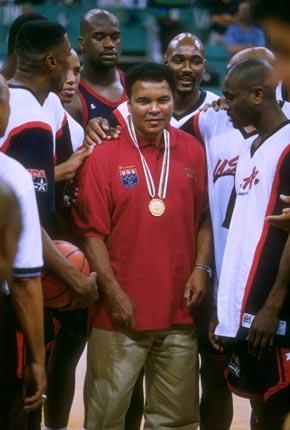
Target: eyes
x,y
143,101
99,37
196,60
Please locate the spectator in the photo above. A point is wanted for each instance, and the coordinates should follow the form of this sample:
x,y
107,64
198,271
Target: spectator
x,y
222,14
243,34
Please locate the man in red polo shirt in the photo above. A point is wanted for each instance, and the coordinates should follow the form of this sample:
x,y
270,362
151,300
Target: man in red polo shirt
x,y
142,212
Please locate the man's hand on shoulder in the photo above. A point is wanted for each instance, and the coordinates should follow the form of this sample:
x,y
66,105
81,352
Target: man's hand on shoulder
x,y
98,130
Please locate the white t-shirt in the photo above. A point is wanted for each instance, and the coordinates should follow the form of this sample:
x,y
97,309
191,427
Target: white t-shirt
x,y
254,248
28,260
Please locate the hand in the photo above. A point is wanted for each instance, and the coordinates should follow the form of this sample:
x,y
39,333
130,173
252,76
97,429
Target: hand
x,y
214,340
34,386
71,193
85,291
281,221
195,288
97,130
262,333
122,309
66,171
216,105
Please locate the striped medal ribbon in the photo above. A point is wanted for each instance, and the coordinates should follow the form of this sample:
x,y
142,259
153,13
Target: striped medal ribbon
x,y
156,205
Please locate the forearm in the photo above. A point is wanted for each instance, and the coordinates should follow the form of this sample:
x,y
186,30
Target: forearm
x,y
27,302
98,256
280,289
204,244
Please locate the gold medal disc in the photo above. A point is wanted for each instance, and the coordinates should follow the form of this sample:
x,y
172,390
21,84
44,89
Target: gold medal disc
x,y
156,207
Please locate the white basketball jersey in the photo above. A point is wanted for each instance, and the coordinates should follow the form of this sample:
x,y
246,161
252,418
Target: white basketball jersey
x,y
253,249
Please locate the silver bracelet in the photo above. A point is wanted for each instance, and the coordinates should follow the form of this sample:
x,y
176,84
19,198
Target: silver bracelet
x,y
205,268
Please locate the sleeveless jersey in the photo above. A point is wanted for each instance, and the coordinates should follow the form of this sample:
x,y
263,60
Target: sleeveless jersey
x,y
94,105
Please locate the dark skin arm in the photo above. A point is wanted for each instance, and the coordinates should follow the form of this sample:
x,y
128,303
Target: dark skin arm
x,y
122,309
283,220
195,288
27,302
66,171
84,289
264,327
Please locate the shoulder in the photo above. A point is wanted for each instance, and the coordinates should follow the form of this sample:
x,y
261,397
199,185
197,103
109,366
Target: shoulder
x,y
14,174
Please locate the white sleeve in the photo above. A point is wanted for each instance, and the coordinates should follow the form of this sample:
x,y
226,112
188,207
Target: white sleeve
x,y
28,261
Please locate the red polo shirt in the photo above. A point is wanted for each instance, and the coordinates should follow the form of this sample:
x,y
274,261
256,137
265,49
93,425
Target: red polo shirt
x,y
151,257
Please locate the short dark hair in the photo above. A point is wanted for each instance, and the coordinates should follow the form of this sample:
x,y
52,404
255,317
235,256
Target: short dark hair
x,y
149,72
38,37
275,9
253,71
17,24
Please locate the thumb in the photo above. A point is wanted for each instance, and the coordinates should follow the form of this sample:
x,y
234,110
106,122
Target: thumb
x,y
284,198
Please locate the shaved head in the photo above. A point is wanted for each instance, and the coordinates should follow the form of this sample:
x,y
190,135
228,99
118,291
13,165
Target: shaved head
x,y
98,18
185,57
183,39
252,72
257,52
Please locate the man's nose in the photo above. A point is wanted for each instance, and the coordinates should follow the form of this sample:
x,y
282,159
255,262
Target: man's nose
x,y
154,107
108,42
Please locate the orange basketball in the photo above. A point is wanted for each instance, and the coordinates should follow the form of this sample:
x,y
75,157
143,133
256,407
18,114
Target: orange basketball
x,y
55,294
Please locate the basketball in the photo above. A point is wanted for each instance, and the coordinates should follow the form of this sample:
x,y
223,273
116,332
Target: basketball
x,y
55,294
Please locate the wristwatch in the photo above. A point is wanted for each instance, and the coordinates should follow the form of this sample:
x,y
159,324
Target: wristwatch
x,y
205,268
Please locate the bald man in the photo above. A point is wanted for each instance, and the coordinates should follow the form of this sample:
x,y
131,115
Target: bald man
x,y
253,294
101,87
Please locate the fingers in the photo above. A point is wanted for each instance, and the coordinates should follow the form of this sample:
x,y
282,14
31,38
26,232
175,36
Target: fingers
x,y
214,340
284,198
260,345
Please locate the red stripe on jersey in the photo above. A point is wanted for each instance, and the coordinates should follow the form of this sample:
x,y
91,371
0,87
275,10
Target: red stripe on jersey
x,y
18,130
196,128
59,132
270,207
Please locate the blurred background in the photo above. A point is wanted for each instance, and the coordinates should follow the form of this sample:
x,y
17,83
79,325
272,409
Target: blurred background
x,y
148,25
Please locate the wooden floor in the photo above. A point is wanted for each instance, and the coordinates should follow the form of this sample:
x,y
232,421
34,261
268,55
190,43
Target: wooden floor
x,y
241,406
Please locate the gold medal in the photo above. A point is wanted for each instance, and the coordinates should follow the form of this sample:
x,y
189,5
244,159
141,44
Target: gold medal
x,y
156,207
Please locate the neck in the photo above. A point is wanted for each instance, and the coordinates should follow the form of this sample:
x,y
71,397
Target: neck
x,y
154,140
287,88
270,119
183,102
8,69
35,82
101,76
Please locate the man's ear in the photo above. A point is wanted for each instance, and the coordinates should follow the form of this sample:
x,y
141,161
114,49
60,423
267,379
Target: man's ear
x,y
81,43
257,95
50,61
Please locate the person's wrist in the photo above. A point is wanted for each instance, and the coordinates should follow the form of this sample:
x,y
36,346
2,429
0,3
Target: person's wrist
x,y
203,268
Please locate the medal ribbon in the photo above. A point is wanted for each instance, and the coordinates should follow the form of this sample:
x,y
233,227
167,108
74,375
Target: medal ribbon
x,y
163,181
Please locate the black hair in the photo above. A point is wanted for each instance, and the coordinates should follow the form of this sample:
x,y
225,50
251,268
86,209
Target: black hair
x,y
275,9
38,37
16,25
149,72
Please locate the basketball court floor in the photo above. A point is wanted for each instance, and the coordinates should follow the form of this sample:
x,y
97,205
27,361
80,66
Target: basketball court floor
x,y
241,406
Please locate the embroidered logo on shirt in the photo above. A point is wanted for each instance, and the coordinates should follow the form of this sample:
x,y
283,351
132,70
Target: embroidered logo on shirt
x,y
225,168
93,106
249,182
39,180
129,176
190,173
